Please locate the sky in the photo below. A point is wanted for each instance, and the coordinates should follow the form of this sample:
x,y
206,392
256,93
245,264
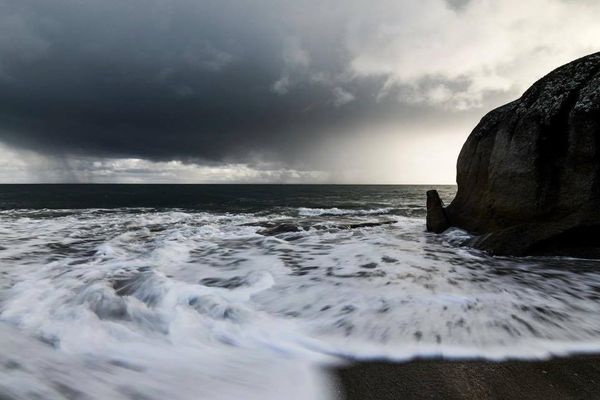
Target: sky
x,y
266,91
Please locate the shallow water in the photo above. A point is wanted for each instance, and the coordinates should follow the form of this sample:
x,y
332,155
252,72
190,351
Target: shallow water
x,y
207,300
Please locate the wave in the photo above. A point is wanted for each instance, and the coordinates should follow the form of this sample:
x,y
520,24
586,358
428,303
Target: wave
x,y
173,303
318,212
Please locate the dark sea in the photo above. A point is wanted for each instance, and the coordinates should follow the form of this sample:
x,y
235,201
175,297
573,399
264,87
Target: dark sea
x,y
248,291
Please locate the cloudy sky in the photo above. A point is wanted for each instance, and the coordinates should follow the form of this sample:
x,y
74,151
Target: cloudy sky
x,y
352,91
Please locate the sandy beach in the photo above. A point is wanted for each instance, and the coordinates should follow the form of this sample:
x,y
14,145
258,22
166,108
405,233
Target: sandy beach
x,y
559,378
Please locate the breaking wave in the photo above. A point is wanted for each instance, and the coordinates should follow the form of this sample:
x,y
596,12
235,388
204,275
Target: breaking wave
x,y
178,304
313,212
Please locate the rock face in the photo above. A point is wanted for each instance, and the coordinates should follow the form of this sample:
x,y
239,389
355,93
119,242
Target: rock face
x,y
529,174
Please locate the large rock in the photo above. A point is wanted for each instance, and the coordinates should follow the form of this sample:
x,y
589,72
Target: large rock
x,y
529,174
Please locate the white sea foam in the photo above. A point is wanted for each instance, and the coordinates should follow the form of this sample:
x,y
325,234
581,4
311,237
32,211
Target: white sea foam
x,y
313,212
200,305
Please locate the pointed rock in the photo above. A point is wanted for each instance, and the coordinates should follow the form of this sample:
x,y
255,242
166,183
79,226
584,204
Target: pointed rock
x,y
437,221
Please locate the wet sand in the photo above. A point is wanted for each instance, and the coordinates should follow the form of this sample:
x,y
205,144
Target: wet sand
x,y
561,378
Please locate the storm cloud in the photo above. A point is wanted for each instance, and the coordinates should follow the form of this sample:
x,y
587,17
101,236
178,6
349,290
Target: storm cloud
x,y
267,82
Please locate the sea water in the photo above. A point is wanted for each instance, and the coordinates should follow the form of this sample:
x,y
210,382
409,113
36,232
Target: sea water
x,y
246,292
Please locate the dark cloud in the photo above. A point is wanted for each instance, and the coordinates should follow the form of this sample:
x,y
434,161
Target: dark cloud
x,y
176,79
227,81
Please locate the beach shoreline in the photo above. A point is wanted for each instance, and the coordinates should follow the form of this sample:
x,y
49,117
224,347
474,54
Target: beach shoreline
x,y
576,377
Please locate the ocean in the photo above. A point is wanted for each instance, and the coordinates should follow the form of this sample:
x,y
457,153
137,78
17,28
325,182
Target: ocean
x,y
252,291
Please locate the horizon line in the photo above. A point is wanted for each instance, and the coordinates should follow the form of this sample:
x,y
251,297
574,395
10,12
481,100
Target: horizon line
x,y
226,183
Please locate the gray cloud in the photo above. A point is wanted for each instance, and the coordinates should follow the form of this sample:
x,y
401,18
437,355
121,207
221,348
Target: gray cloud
x,y
216,82
458,5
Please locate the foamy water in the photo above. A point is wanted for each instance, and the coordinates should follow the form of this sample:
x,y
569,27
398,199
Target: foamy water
x,y
154,304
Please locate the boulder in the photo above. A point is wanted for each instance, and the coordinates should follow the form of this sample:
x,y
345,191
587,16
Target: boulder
x,y
529,174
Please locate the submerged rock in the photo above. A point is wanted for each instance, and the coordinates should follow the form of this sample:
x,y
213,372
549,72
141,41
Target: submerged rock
x,y
529,174
366,224
279,229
